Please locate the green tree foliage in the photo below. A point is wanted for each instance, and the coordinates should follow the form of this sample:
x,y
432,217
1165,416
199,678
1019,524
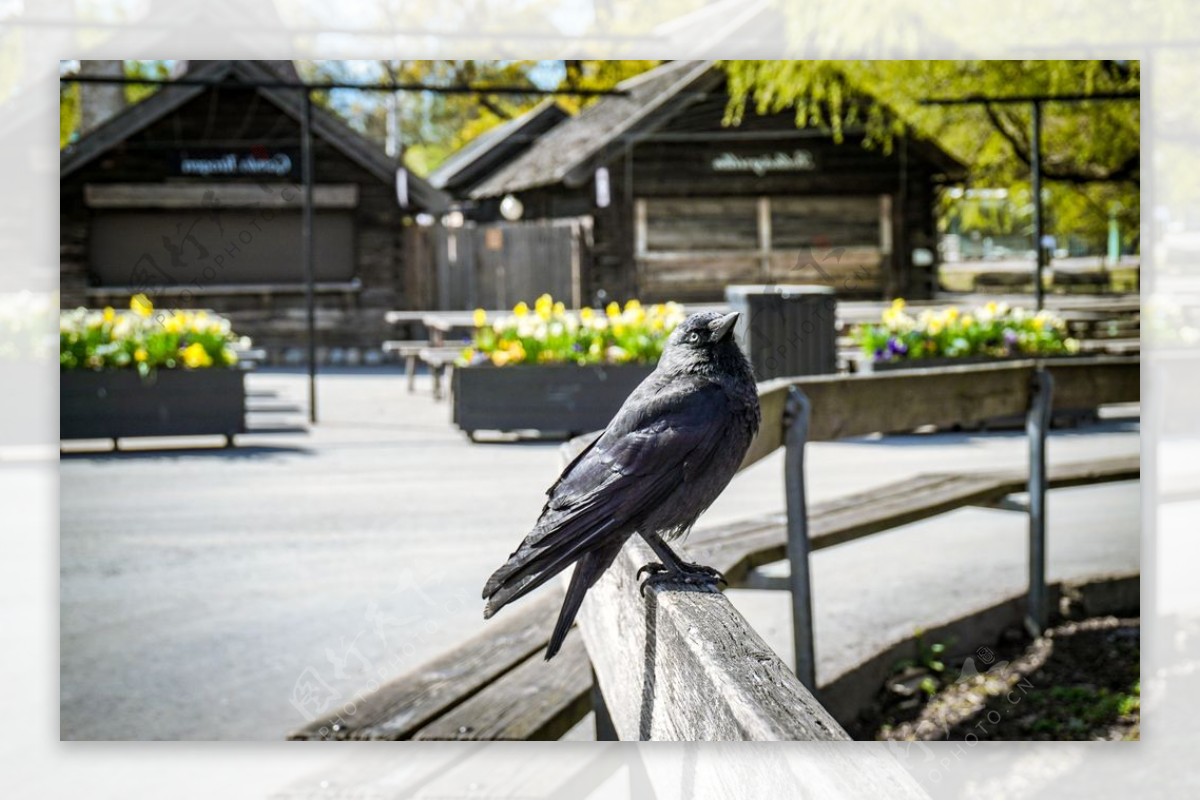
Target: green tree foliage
x,y
70,94
433,125
1090,150
69,113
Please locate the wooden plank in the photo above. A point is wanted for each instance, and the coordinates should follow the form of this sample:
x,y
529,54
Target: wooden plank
x,y
400,708
684,665
903,400
166,291
737,549
204,194
538,700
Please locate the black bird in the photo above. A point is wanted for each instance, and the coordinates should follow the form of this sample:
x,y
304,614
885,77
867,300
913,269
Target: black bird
x,y
665,457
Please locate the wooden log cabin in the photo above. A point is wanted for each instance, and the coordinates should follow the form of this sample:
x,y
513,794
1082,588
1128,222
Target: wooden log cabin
x,y
193,196
680,205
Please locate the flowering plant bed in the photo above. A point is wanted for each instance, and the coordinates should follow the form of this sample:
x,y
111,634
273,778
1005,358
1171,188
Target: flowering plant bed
x,y
549,334
948,336
550,370
145,373
144,339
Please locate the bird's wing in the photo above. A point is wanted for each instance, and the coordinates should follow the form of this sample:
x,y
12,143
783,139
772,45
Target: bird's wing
x,y
646,452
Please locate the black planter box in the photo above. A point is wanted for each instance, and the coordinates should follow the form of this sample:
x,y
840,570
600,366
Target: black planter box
x,y
107,404
561,398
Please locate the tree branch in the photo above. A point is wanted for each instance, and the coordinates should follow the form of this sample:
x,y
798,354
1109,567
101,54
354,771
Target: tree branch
x,y
1128,170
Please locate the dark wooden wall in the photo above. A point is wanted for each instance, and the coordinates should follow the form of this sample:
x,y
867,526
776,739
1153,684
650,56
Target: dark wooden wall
x,y
675,162
237,118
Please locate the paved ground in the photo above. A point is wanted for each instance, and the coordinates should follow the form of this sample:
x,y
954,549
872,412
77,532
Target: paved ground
x,y
213,594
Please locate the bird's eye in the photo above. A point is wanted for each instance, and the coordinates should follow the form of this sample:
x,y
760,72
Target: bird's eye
x,y
693,337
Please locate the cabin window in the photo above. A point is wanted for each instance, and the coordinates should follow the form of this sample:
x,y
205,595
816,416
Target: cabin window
x,y
677,224
691,248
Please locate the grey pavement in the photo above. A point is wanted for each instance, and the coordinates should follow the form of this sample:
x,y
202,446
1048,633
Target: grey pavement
x,y
216,594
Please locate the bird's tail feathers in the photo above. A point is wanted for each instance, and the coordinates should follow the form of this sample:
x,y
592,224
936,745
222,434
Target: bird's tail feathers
x,y
542,556
587,570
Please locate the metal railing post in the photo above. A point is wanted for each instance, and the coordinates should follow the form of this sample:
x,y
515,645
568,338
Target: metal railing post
x,y
1037,422
796,415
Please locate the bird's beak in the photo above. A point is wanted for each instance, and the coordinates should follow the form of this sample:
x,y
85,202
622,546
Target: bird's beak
x,y
723,325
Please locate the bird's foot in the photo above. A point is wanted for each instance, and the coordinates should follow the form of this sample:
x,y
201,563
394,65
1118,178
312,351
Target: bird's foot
x,y
683,573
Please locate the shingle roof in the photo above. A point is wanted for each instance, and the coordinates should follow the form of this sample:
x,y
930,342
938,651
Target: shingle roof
x,y
574,142
349,142
480,157
567,152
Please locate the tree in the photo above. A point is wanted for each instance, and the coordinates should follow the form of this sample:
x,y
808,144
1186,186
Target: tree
x,y
432,125
1090,150
73,99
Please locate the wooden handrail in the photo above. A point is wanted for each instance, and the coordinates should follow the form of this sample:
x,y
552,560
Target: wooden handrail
x,y
904,400
685,665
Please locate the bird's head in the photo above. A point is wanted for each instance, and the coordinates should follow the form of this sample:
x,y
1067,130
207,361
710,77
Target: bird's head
x,y
704,339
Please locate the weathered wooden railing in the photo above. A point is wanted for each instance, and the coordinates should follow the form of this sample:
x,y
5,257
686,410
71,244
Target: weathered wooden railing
x,y
685,665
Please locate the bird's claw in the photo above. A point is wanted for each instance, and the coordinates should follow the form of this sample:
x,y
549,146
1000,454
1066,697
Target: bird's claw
x,y
686,573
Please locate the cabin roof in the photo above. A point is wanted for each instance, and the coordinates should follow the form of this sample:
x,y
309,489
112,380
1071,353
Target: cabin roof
x,y
568,152
491,150
356,147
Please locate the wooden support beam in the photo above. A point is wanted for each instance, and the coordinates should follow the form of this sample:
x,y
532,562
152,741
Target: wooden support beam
x,y
682,664
204,195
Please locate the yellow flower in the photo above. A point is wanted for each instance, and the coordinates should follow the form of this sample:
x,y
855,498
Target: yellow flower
x,y
613,309
543,306
109,314
898,304
175,323
521,309
194,355
508,353
951,314
632,304
140,355
560,309
587,313
142,305
480,318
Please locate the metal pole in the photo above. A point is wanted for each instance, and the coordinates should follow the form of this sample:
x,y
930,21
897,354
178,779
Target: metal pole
x,y
796,415
1037,422
306,227
1035,164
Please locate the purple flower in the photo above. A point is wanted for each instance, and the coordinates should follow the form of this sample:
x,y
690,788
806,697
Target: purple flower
x,y
1010,337
879,354
896,347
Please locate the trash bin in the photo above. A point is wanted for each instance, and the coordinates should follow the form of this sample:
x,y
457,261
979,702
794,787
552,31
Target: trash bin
x,y
786,329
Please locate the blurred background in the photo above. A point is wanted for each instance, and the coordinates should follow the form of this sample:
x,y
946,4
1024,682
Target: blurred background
x,y
409,173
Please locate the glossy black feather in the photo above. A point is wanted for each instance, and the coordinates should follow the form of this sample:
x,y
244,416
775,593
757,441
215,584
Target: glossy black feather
x,y
670,450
